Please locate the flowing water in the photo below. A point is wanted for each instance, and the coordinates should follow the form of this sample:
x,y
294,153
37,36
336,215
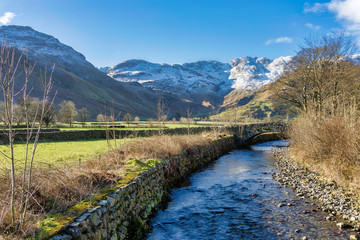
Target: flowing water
x,y
236,198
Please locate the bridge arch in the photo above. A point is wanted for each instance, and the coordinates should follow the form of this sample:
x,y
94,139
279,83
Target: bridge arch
x,y
248,134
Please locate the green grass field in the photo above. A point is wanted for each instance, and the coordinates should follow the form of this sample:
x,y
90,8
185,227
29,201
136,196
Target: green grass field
x,y
69,152
58,153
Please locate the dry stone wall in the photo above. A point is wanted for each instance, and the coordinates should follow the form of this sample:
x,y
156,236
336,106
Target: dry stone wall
x,y
70,135
125,213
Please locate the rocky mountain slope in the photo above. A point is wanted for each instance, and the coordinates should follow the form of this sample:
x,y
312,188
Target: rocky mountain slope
x,y
250,73
78,80
198,81
203,80
134,86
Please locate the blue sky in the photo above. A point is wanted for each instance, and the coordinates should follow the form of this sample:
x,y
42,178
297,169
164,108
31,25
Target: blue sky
x,y
173,31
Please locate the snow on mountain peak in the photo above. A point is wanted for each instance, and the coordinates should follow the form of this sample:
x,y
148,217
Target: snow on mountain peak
x,y
187,80
191,80
252,72
41,46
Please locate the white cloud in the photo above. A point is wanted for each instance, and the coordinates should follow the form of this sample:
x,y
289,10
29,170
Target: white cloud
x,y
6,18
312,26
346,11
317,7
279,40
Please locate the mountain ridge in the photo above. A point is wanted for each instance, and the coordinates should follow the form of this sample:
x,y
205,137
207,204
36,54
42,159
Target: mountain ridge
x,y
78,80
135,85
203,80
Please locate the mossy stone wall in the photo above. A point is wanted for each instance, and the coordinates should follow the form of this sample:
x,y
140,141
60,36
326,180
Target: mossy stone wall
x,y
125,213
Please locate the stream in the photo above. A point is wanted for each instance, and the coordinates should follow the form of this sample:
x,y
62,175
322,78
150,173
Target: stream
x,y
237,198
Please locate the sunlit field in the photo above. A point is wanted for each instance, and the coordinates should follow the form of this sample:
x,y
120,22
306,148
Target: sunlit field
x,y
56,153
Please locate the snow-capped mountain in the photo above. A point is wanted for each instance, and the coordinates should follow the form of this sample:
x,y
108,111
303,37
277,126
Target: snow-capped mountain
x,y
251,72
103,69
78,80
42,47
197,80
188,80
193,83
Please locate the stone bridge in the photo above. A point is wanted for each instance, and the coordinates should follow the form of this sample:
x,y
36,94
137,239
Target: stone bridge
x,y
258,132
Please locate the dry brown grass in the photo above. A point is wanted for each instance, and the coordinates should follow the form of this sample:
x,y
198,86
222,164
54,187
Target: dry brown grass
x,y
330,146
56,189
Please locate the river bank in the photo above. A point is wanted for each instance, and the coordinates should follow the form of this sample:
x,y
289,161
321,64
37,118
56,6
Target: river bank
x,y
125,211
329,197
236,197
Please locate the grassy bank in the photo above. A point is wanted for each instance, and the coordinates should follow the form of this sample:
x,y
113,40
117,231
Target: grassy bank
x,y
330,146
56,190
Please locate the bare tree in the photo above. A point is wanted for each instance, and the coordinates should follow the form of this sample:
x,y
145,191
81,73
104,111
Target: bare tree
x,y
109,123
161,112
150,122
18,113
50,115
10,62
235,117
321,73
103,118
84,116
31,106
100,118
67,112
128,119
189,120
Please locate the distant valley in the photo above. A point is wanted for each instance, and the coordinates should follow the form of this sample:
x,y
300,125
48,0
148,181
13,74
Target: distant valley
x,y
78,80
135,86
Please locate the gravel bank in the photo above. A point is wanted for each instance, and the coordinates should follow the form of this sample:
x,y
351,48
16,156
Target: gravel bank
x,y
329,197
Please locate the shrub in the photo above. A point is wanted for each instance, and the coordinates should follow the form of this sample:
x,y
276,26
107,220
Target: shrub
x,y
330,146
